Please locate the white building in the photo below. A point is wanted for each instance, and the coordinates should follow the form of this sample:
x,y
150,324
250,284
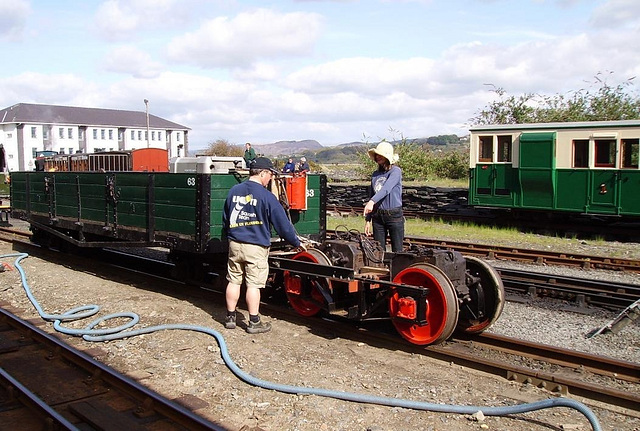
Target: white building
x,y
26,129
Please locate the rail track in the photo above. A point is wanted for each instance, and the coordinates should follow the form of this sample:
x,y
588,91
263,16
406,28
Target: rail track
x,y
46,384
476,352
532,256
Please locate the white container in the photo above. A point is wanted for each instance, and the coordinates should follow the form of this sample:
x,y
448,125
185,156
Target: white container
x,y
206,164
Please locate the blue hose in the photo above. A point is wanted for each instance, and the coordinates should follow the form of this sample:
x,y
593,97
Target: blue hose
x,y
91,334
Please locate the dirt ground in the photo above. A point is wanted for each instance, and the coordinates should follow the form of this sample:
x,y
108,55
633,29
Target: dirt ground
x,y
184,364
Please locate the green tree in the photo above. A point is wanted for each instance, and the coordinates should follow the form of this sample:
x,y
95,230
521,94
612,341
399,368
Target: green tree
x,y
606,102
223,148
420,162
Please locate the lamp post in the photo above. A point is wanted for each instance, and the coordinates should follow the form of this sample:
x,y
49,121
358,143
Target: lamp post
x,y
146,108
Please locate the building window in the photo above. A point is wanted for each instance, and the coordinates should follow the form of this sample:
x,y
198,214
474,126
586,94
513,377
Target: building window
x,y
153,136
103,134
110,134
45,133
80,134
34,133
605,153
146,136
581,153
139,135
178,136
95,133
70,150
120,135
70,133
61,132
61,150
504,148
630,153
485,148
133,135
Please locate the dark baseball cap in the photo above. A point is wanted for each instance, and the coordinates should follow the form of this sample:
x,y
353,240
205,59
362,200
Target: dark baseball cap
x,y
263,163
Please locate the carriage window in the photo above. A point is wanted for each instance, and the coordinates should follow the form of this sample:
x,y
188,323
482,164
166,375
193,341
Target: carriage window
x,y
605,153
485,149
504,148
580,153
630,153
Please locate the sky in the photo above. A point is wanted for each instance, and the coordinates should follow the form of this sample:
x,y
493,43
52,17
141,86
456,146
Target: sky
x,y
334,71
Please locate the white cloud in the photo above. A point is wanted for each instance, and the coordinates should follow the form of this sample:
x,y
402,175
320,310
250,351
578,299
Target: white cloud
x,y
13,17
68,89
616,13
130,60
120,19
247,38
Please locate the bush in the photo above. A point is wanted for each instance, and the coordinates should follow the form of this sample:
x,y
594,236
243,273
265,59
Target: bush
x,y
421,163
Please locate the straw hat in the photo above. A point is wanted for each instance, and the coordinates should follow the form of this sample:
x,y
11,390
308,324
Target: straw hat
x,y
385,149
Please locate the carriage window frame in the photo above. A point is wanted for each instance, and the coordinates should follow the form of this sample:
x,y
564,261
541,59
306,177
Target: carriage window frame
x,y
630,149
505,148
580,153
485,148
604,151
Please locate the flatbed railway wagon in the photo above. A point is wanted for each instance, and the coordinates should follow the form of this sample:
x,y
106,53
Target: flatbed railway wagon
x,y
426,293
585,168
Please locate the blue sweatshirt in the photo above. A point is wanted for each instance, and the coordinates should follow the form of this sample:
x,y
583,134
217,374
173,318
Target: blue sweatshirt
x,y
249,212
387,189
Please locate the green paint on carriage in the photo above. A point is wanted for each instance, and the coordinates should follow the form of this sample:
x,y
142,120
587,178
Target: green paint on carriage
x,y
126,205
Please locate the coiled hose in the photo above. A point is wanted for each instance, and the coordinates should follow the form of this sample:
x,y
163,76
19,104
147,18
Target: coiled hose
x,y
119,332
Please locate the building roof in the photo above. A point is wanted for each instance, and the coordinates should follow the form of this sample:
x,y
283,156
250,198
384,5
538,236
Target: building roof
x,y
558,125
71,115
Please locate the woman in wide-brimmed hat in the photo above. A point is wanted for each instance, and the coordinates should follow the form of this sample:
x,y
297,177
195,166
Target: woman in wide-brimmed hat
x,y
383,212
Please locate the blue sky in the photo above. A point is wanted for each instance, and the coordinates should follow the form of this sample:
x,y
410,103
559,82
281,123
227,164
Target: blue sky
x,y
333,71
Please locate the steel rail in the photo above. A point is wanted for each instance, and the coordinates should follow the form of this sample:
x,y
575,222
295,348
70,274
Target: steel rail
x,y
531,255
148,400
581,290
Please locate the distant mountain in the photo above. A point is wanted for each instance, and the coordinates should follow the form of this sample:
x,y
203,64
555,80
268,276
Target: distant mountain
x,y
353,144
342,153
288,148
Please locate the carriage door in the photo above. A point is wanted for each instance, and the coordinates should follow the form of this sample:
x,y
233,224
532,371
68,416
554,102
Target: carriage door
x,y
493,173
604,180
537,170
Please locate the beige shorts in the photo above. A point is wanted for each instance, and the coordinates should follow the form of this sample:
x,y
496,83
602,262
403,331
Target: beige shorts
x,y
248,262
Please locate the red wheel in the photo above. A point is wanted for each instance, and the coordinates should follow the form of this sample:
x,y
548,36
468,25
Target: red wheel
x,y
302,292
487,298
441,312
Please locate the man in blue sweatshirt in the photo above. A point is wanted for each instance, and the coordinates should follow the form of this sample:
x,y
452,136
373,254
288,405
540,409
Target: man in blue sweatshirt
x,y
249,212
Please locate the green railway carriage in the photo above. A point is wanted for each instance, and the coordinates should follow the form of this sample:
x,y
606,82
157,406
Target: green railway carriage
x,y
181,211
579,167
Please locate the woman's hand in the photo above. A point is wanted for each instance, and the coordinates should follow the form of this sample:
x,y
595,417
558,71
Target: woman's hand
x,y
367,228
368,207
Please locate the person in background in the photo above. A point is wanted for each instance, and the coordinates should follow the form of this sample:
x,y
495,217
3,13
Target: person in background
x,y
289,167
249,154
304,166
249,212
383,211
